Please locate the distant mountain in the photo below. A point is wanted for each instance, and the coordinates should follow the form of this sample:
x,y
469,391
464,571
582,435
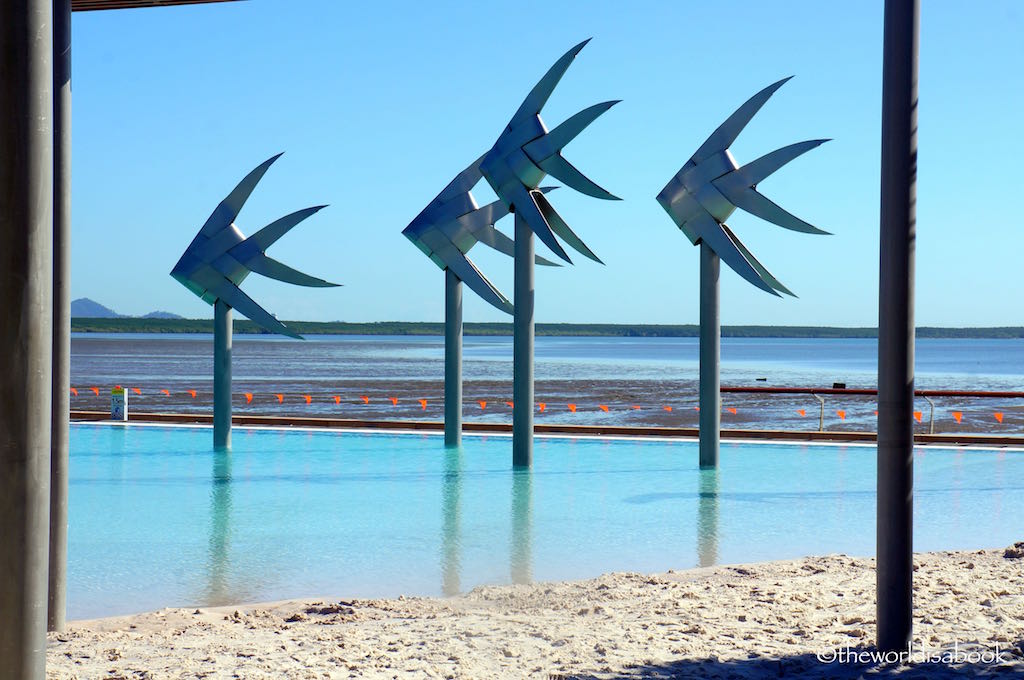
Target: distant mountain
x,y
90,309
84,308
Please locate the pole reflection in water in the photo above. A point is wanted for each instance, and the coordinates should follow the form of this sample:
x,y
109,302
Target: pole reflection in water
x,y
220,529
707,517
451,493
520,552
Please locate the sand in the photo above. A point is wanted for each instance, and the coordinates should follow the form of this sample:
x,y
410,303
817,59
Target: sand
x,y
747,621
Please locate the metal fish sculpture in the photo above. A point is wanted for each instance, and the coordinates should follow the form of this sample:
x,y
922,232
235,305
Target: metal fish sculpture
x,y
526,151
453,223
220,256
706,191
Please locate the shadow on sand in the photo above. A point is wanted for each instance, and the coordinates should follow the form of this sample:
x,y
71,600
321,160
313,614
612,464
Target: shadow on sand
x,y
976,661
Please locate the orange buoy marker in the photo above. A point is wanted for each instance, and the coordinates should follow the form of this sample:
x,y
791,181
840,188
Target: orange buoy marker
x,y
998,416
876,413
394,401
510,404
635,407
958,416
731,410
366,399
193,393
483,405
541,406
603,407
337,400
95,390
308,398
166,392
423,404
74,391
280,398
841,414
801,412
136,390
667,408
248,397
918,415
572,407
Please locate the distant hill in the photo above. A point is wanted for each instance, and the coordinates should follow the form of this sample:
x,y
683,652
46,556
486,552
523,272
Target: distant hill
x,y
90,309
84,308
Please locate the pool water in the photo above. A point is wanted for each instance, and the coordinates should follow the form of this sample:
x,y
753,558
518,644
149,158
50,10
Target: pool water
x,y
157,518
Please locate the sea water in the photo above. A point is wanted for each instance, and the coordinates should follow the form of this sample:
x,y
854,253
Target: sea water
x,y
157,518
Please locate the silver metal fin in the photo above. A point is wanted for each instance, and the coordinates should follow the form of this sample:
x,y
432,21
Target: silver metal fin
x,y
755,172
756,264
727,132
467,272
563,170
757,204
556,140
268,235
541,92
722,243
562,229
463,182
268,266
527,208
227,210
237,299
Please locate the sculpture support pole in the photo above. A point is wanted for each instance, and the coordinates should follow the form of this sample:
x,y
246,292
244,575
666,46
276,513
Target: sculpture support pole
x,y
710,334
522,347
894,574
221,375
61,403
26,334
452,359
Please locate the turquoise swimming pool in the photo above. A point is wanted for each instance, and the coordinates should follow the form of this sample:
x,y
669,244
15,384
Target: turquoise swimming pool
x,y
158,519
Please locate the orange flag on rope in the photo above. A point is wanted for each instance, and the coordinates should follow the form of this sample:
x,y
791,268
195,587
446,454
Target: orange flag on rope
x,y
917,416
280,398
510,404
841,414
572,407
337,399
118,387
696,408
366,399
193,393
801,412
95,390
999,416
166,392
423,404
603,407
394,401
635,407
542,406
958,416
483,404
248,397
667,408
731,410
136,390
309,398
74,391
876,413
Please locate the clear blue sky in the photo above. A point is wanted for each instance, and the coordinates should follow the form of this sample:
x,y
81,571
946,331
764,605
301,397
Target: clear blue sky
x,y
378,105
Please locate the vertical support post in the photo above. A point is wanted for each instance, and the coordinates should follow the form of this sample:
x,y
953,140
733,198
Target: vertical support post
x,y
521,539
707,517
522,347
61,404
26,333
221,375
710,338
931,415
894,575
452,359
821,416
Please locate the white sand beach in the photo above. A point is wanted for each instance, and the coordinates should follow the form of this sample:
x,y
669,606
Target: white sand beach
x,y
745,621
